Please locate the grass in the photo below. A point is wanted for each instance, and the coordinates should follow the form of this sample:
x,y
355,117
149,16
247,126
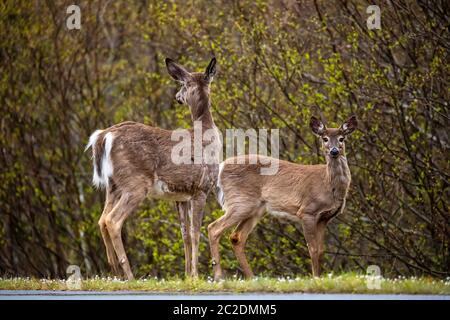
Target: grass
x,y
345,283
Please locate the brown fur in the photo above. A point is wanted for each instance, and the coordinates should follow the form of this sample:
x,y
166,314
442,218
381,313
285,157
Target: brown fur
x,y
310,194
142,167
141,153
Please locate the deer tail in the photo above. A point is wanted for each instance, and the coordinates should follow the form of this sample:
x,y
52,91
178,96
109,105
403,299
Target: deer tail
x,y
101,145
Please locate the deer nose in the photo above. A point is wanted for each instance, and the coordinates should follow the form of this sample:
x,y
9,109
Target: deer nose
x,y
178,98
334,151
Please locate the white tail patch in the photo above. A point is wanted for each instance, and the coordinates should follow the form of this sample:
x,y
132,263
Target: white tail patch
x,y
220,195
106,168
93,139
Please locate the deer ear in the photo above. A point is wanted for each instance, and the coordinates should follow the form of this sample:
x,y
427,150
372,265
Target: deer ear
x,y
317,126
176,71
210,70
349,126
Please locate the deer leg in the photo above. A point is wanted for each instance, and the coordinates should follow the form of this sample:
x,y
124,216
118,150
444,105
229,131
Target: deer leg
x,y
310,231
215,231
238,240
197,213
320,237
114,222
112,258
183,210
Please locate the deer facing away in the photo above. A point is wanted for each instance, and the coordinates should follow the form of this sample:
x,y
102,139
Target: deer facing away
x,y
308,194
132,161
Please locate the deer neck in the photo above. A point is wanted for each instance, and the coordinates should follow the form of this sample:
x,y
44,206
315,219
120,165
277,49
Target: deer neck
x,y
338,176
200,111
205,118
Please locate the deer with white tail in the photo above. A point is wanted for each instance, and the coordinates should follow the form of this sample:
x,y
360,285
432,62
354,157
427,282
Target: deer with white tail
x,y
307,194
133,161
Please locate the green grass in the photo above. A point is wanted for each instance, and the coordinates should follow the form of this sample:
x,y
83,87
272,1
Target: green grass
x,y
345,283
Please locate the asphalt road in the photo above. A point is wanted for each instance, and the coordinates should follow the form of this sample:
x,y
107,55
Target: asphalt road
x,y
133,295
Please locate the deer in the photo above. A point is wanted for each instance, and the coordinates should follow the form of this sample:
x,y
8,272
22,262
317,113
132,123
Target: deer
x,y
133,161
307,195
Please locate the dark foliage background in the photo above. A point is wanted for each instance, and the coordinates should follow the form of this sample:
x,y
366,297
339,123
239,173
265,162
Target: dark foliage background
x,y
279,63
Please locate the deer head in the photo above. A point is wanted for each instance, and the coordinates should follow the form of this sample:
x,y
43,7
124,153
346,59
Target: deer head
x,y
194,89
333,139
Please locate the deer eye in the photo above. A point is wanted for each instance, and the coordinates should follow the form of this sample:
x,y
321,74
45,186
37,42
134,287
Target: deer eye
x,y
325,139
341,139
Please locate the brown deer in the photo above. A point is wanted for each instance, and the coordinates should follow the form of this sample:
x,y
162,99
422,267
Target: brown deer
x,y
308,194
133,161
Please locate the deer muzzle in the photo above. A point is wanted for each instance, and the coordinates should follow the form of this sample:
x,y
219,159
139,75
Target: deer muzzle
x,y
334,152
